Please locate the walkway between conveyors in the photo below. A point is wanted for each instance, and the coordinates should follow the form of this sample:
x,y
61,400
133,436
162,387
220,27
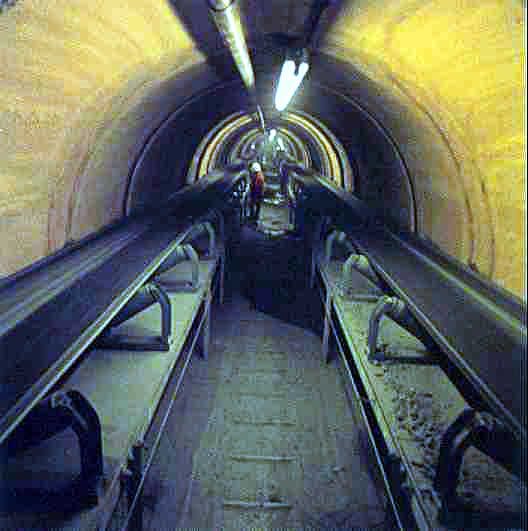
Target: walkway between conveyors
x,y
262,434
262,437
273,273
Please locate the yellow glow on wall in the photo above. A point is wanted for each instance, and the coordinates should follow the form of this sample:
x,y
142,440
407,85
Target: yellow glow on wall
x,y
457,69
80,84
74,109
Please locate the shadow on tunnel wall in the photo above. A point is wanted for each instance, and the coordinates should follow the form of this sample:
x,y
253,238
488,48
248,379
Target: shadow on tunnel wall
x,y
162,166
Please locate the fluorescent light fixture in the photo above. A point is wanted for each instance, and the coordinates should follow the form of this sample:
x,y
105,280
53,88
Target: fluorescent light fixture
x,y
289,82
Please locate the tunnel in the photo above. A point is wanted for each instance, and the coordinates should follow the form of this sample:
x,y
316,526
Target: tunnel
x,y
412,114
427,99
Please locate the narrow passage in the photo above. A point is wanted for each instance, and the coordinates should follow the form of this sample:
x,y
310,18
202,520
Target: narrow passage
x,y
262,436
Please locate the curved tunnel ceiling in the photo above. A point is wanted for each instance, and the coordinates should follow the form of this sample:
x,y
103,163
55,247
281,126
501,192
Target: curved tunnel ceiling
x,y
300,137
426,97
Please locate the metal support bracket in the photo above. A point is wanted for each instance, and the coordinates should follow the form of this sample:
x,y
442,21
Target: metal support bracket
x,y
221,224
146,296
198,230
397,310
326,350
301,208
334,237
54,414
180,254
222,251
361,264
131,477
320,228
204,339
483,431
221,288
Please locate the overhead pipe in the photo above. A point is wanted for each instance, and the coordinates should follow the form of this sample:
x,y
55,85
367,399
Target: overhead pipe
x,y
226,16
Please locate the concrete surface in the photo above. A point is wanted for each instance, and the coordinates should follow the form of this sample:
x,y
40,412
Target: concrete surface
x,y
264,421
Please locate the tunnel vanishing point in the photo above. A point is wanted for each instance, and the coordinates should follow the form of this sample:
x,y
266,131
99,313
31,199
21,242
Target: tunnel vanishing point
x,y
126,133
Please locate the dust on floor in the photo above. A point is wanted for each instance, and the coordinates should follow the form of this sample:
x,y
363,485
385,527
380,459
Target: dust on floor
x,y
261,437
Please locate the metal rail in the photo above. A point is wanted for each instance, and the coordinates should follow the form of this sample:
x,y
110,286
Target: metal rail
x,y
51,315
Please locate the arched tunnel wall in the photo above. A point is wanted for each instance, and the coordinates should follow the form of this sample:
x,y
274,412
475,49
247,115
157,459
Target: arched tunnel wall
x,y
162,166
85,85
447,79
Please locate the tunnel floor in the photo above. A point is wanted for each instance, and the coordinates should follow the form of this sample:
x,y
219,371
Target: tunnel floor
x,y
261,436
272,270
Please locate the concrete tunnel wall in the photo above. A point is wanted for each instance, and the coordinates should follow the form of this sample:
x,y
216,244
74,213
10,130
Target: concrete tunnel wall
x,y
85,84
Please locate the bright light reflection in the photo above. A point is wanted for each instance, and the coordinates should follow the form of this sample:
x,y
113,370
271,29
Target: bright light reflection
x,y
289,83
272,135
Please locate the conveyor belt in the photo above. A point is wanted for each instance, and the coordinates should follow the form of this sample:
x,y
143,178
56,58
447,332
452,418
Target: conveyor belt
x,y
148,381
480,328
481,338
407,405
52,313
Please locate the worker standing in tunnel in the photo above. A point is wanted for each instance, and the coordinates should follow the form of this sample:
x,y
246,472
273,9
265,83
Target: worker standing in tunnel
x,y
256,191
284,177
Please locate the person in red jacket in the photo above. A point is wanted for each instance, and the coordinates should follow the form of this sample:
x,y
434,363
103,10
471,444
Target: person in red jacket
x,y
256,191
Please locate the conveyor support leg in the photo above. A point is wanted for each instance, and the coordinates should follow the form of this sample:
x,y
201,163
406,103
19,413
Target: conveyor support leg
x,y
397,310
54,414
145,297
205,332
334,237
320,227
198,230
327,326
483,431
131,481
361,264
181,253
